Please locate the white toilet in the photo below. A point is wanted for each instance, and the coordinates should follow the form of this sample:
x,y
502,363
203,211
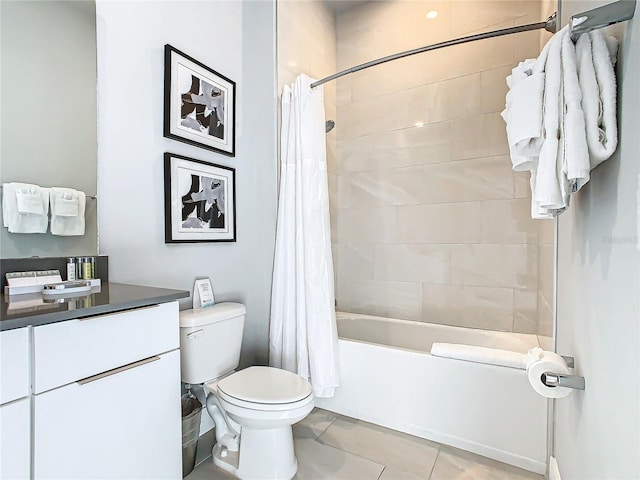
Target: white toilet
x,y
253,409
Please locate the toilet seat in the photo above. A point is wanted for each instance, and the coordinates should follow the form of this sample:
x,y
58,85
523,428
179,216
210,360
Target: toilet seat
x,y
265,389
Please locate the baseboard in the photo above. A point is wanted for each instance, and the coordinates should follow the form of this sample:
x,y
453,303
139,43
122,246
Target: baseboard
x,y
554,471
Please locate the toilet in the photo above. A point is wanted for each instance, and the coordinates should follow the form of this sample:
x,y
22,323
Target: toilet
x,y
253,409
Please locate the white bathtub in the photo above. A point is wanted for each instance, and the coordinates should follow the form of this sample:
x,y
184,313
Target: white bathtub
x,y
389,378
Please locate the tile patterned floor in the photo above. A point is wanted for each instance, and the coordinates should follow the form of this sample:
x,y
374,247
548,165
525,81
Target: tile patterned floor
x,y
331,446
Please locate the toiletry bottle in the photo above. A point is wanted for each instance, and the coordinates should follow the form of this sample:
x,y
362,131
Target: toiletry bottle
x,y
71,269
86,268
79,268
94,269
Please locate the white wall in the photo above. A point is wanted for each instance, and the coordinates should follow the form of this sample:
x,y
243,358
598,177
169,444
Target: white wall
x,y
237,40
598,430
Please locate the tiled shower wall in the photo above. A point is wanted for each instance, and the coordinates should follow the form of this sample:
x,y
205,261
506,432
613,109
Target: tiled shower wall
x,y
430,222
307,44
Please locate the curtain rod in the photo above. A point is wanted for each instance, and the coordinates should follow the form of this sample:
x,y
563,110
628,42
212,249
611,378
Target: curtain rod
x,y
600,17
92,197
549,25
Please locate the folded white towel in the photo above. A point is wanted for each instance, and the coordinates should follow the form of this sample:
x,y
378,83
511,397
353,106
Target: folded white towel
x,y
67,211
575,154
523,115
548,192
577,114
521,72
471,353
25,207
537,212
596,58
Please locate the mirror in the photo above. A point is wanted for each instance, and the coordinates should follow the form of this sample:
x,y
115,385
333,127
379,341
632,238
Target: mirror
x,y
49,112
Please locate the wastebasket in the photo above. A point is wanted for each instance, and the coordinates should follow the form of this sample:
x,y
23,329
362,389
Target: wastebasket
x,y
191,411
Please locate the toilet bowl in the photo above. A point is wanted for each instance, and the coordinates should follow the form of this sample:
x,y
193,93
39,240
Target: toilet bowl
x,y
253,409
265,402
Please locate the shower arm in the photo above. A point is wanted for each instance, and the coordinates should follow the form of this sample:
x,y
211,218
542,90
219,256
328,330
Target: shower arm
x,y
600,17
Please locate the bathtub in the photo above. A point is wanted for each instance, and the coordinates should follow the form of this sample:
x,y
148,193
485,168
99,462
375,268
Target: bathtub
x,y
388,377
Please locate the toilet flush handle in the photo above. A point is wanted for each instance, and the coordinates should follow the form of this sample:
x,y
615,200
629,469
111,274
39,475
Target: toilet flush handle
x,y
195,334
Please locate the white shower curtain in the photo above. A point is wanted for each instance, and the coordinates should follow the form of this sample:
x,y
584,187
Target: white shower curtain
x,y
302,335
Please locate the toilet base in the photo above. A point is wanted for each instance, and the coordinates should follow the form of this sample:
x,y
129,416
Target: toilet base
x,y
228,462
265,454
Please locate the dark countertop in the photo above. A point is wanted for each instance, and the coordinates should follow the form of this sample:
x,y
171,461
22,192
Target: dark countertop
x,y
25,310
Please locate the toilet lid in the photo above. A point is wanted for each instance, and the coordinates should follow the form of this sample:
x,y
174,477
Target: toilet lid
x,y
265,385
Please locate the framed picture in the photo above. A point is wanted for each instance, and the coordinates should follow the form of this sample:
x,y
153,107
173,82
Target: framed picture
x,y
199,103
199,201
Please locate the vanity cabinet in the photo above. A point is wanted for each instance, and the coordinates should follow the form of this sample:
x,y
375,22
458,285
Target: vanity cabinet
x,y
15,406
106,398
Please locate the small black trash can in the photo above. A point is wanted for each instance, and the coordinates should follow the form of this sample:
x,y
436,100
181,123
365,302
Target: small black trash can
x,y
191,411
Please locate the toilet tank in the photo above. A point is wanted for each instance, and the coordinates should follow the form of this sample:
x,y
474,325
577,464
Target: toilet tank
x,y
210,340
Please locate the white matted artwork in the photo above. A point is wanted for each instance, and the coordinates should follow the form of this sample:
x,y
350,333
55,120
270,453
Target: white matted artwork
x,y
199,201
199,103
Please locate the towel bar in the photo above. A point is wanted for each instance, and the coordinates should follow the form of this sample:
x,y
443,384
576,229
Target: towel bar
x,y
92,197
601,17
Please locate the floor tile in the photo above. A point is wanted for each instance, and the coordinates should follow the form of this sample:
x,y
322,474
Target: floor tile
x,y
208,471
397,450
317,461
460,465
391,473
314,424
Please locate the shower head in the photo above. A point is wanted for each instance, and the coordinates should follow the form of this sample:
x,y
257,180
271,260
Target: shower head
x,y
328,125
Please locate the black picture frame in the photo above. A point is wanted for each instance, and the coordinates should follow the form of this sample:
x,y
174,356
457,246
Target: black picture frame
x,y
199,201
199,104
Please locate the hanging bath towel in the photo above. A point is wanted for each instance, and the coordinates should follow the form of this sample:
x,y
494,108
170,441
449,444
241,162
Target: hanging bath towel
x,y
25,207
303,336
596,58
67,211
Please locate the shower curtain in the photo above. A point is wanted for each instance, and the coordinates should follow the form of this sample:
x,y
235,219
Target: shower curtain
x,y
302,335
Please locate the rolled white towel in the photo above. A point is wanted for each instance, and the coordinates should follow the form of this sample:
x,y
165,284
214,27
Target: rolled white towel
x,y
472,353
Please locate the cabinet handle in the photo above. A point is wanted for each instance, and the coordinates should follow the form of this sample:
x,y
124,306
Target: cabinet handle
x,y
126,310
108,373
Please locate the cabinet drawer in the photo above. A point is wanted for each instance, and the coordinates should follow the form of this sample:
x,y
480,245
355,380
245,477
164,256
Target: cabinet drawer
x,y
125,425
68,351
14,364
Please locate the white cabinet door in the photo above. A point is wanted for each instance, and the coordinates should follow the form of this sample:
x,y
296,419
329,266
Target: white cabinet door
x,y
125,423
14,364
15,436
